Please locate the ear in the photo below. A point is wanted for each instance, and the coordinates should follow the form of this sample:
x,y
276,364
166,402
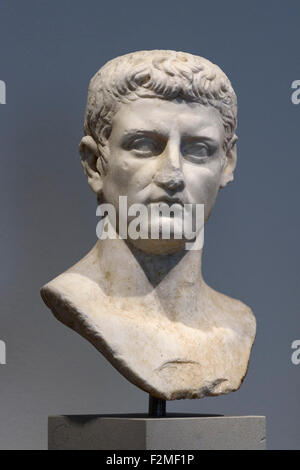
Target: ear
x,y
90,161
230,163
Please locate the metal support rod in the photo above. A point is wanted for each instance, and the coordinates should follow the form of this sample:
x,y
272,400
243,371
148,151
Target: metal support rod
x,y
157,407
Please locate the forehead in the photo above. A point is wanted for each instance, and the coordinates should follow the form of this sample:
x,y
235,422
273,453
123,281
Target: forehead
x,y
164,117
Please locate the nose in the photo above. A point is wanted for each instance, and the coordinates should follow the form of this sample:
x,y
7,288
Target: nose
x,y
169,175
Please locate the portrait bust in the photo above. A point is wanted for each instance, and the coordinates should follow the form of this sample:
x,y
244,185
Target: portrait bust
x,y
159,128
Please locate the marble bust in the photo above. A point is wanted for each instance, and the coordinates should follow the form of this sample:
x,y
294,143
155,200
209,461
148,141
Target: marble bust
x,y
159,127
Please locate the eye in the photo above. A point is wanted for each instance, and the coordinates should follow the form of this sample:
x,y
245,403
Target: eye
x,y
145,146
197,152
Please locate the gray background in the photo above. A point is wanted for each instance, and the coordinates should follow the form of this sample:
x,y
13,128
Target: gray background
x,y
49,51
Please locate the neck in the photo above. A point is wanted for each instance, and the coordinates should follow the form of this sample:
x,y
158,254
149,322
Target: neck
x,y
174,281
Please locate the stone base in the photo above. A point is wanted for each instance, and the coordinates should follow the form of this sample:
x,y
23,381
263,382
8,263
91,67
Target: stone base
x,y
139,432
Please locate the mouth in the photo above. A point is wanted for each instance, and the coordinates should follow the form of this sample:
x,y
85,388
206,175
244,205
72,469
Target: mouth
x,y
167,200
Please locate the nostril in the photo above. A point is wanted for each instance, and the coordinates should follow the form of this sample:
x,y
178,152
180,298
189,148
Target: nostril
x,y
170,180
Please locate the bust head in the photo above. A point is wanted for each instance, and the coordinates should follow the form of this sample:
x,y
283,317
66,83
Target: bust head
x,y
160,126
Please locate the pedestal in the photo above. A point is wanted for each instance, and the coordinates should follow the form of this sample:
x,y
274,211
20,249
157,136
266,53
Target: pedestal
x,y
173,432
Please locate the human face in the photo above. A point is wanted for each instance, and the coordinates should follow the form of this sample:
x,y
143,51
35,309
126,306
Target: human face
x,y
165,151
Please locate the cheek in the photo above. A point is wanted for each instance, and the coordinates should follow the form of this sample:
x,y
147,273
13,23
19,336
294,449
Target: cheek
x,y
203,184
128,175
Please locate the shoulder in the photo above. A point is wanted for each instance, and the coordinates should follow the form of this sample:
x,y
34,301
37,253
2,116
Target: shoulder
x,y
73,288
235,311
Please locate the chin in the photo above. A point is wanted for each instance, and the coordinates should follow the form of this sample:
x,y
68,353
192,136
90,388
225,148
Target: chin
x,y
158,247
166,228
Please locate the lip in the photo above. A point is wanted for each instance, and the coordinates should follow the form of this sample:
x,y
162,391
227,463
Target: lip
x,y
167,200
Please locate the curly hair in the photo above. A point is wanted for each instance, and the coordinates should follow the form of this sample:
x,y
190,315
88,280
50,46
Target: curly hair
x,y
162,74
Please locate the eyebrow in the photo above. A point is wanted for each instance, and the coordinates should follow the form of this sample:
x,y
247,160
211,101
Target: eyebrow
x,y
195,138
201,133
128,135
133,132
